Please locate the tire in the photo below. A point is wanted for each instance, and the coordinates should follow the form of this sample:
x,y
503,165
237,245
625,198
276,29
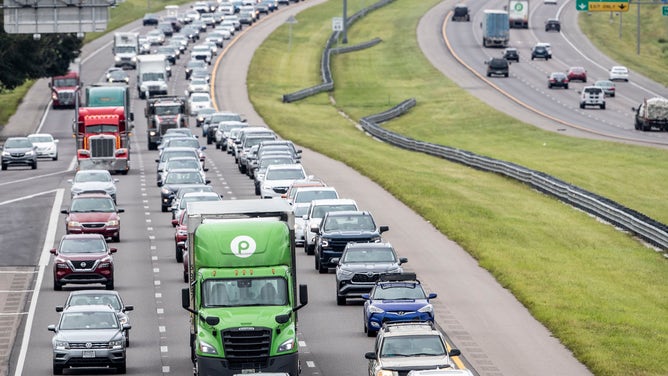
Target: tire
x,y
566,87
340,300
57,370
116,239
582,105
124,172
34,165
257,190
164,209
532,58
505,75
122,368
57,286
603,106
310,249
127,338
317,262
549,86
4,167
55,158
370,333
179,254
109,285
185,276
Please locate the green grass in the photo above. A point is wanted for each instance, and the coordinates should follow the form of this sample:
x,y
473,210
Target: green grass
x,y
11,99
602,28
601,292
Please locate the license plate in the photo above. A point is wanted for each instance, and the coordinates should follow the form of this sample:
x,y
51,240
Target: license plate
x,y
247,370
89,353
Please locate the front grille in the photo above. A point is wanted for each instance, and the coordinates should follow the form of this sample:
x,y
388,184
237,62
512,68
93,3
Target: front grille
x,y
165,126
153,88
93,225
18,155
340,243
247,348
83,264
66,96
94,345
280,190
365,278
102,147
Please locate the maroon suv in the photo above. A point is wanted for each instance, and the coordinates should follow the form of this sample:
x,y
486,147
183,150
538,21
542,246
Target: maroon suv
x,y
82,259
94,213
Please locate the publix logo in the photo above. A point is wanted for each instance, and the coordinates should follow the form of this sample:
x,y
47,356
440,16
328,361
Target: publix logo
x,y
519,6
243,246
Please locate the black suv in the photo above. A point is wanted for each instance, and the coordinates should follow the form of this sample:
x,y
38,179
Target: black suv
x,y
337,229
497,66
461,13
540,52
511,54
553,24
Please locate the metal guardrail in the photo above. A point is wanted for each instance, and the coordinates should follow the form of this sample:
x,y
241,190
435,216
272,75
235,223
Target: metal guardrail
x,y
325,67
640,225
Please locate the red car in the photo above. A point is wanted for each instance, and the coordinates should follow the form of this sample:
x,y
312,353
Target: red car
x,y
83,259
577,74
93,213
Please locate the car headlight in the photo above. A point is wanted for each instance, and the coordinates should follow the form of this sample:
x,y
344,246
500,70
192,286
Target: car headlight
x,y
117,344
30,153
344,274
206,348
427,308
61,345
374,309
165,191
123,319
73,224
134,59
117,58
287,345
383,372
396,269
5,154
113,222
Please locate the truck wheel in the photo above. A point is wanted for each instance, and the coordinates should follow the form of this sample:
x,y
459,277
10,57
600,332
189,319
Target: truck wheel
x,y
57,370
178,254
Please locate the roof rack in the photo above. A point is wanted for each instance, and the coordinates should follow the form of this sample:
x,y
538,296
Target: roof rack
x,y
387,326
397,277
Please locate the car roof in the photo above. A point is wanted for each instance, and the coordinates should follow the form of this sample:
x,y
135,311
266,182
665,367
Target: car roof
x,y
96,292
314,188
91,194
333,201
201,194
292,166
347,213
82,236
89,308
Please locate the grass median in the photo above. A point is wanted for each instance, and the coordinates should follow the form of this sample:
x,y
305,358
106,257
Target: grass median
x,y
600,291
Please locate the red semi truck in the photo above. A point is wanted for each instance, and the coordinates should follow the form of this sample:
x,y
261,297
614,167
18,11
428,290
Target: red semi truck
x,y
65,90
103,129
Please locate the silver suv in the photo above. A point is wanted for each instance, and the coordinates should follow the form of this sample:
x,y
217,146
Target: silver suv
x,y
592,96
404,347
89,336
361,266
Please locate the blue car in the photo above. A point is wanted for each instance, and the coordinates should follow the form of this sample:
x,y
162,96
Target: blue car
x,y
396,298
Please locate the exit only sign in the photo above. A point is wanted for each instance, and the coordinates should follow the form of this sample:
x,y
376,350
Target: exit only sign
x,y
664,10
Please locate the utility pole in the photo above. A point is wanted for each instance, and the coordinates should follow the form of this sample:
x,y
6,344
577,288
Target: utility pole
x,y
344,38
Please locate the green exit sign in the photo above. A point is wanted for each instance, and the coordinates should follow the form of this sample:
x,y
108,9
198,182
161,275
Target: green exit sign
x,y
664,10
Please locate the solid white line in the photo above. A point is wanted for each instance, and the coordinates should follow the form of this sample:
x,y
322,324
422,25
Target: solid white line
x,y
29,196
34,177
43,262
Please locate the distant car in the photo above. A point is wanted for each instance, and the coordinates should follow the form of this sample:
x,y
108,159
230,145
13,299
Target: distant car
x,y
199,85
540,52
186,189
47,146
577,74
93,181
619,73
167,28
548,46
193,64
313,217
101,297
93,213
180,163
119,76
18,151
592,96
557,79
155,37
461,13
497,67
194,197
361,265
396,297
170,52
150,19
176,179
607,86
83,259
88,336
553,24
511,54
278,178
198,101
441,372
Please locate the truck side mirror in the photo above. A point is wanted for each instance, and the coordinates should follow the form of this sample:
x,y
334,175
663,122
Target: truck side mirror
x,y
303,295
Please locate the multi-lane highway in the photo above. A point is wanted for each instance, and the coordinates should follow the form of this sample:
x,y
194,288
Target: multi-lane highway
x,y
496,334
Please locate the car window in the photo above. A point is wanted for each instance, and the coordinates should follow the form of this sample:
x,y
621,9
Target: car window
x,y
18,143
82,246
94,299
92,204
368,255
308,196
390,292
285,174
88,320
92,176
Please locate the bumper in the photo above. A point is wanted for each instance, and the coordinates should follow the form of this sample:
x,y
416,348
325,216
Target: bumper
x,y
106,231
102,358
84,278
221,367
377,319
104,164
353,290
9,161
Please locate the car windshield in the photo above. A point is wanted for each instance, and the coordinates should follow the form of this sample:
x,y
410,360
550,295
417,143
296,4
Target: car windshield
x,y
244,292
40,138
185,200
184,178
184,142
285,174
96,299
88,245
398,292
264,162
183,163
199,98
88,320
308,196
300,210
84,177
167,155
349,223
18,143
92,204
418,345
368,255
320,210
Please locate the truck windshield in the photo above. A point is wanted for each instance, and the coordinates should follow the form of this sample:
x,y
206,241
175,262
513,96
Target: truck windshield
x,y
126,49
153,76
102,128
168,110
244,292
65,82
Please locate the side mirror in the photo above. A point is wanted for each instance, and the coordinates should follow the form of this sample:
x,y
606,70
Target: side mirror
x,y
175,222
370,355
59,308
65,211
51,328
432,295
454,352
384,228
207,181
315,229
113,250
128,308
403,260
127,326
53,251
119,210
335,260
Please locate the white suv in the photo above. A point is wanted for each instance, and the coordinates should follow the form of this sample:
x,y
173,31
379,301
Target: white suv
x,y
278,178
592,96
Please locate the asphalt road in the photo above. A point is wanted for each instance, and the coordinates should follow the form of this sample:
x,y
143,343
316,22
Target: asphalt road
x,y
496,333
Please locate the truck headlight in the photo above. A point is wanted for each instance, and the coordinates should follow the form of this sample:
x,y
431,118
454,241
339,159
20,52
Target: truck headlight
x,y
207,349
61,345
287,345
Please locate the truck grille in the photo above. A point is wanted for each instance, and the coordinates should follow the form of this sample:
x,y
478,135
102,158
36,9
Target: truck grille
x,y
66,96
245,348
165,126
102,147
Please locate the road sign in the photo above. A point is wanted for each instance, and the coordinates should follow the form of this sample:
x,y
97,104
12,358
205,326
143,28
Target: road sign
x,y
56,16
664,10
337,23
602,6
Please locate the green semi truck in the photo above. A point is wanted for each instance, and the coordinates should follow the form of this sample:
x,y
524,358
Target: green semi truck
x,y
243,289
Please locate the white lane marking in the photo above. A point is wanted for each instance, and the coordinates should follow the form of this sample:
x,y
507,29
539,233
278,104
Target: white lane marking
x,y
160,311
158,295
165,369
164,349
162,329
43,263
310,364
156,270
